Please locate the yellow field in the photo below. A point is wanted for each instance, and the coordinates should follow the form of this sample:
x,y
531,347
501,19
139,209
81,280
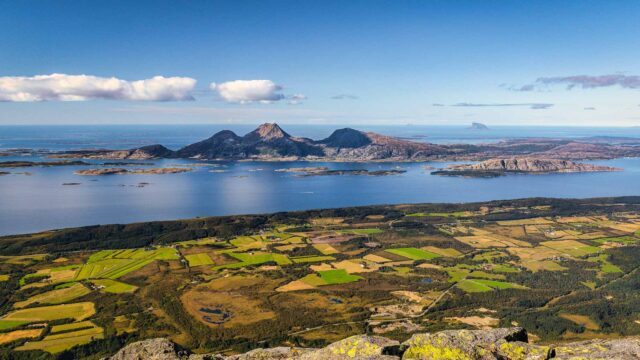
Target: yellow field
x,y
533,221
353,266
294,286
325,249
19,334
448,252
55,296
76,311
376,258
574,219
480,242
57,342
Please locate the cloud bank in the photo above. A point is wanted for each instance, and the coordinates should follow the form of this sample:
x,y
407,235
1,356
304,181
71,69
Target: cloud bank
x,y
63,87
584,82
534,106
248,91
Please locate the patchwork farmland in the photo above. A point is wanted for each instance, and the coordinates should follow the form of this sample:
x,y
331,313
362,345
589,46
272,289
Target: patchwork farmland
x,y
325,276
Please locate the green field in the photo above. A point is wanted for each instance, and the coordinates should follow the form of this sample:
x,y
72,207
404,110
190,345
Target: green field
x,y
255,258
339,276
370,231
72,326
76,311
57,296
627,240
480,285
413,253
198,259
112,264
114,287
311,258
11,324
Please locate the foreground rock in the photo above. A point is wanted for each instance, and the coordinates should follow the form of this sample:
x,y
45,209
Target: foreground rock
x,y
122,171
494,344
499,167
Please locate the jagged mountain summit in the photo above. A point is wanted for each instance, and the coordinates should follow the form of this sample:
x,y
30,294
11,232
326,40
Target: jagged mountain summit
x,y
270,142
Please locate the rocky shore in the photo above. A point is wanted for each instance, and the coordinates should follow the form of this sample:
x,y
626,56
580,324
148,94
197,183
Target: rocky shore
x,y
492,344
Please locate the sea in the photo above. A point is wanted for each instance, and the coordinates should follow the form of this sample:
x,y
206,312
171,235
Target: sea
x,y
43,198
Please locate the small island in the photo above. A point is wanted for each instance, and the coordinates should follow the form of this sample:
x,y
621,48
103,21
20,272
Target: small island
x,y
501,167
478,126
16,164
122,171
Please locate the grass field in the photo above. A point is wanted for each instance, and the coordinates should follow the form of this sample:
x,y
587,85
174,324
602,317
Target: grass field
x,y
330,277
326,249
11,324
339,276
370,231
571,247
199,259
76,311
57,296
455,214
114,287
4,277
627,240
312,258
446,252
481,285
413,253
255,258
112,264
60,341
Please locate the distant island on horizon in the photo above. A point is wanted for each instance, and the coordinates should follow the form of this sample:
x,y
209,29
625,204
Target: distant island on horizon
x,y
269,142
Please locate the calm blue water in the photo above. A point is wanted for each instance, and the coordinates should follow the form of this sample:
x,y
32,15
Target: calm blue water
x,y
40,201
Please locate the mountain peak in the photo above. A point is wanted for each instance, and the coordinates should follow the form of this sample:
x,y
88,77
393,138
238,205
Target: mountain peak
x,y
347,138
268,131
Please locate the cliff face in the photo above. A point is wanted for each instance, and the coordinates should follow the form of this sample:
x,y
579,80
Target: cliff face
x,y
494,344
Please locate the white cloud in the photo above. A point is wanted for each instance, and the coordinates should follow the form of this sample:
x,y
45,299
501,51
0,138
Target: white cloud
x,y
62,87
248,91
296,99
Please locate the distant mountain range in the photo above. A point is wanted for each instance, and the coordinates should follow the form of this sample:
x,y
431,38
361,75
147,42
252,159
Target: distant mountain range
x,y
270,142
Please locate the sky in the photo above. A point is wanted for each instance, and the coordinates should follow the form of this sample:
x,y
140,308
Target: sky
x,y
445,62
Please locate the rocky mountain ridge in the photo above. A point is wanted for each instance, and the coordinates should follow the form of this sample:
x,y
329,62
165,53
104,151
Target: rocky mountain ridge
x,y
490,344
272,143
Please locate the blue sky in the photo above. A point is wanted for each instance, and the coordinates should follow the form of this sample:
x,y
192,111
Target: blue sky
x,y
321,62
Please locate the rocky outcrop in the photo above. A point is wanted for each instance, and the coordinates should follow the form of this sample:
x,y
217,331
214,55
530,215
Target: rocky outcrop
x,y
493,344
142,153
522,165
123,171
